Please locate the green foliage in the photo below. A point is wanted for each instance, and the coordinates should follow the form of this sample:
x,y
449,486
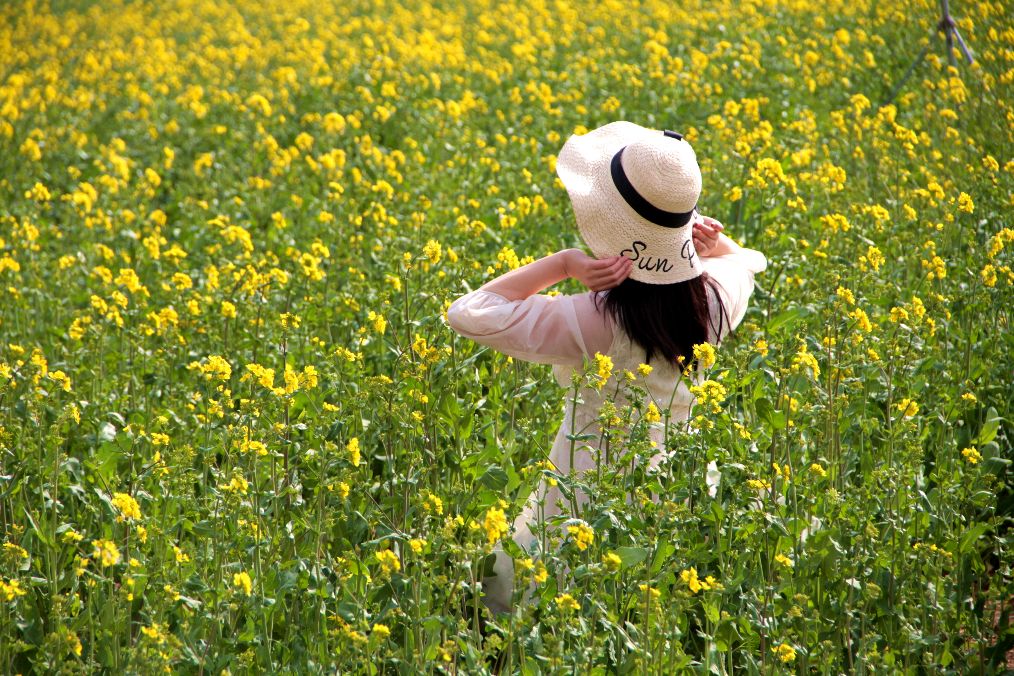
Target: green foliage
x,y
237,435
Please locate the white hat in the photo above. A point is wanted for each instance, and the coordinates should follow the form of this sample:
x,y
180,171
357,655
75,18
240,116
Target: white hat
x,y
634,192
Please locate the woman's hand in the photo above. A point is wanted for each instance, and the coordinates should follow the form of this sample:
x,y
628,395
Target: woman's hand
x,y
706,232
596,274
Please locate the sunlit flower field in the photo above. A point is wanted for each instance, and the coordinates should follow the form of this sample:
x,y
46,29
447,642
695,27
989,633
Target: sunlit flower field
x,y
238,436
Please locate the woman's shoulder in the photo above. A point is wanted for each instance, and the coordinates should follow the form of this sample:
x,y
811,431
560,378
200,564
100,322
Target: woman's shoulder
x,y
733,274
741,260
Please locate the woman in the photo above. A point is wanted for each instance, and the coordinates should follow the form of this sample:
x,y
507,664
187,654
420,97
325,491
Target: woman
x,y
663,279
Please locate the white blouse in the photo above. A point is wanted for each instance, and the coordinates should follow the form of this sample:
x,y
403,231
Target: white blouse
x,y
564,330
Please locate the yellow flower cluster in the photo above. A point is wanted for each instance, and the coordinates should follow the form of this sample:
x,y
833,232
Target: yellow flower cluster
x,y
566,603
603,369
214,367
352,448
907,407
236,186
106,551
582,535
126,506
931,548
611,562
243,582
433,504
804,361
704,353
652,415
710,394
11,590
784,652
389,562
695,584
495,524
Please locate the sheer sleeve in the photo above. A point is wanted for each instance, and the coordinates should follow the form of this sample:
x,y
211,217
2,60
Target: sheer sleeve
x,y
734,273
545,329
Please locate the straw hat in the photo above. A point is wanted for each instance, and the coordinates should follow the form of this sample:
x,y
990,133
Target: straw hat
x,y
634,192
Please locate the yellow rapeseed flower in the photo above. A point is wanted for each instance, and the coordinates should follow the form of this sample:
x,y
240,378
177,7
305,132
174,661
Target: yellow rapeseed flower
x,y
566,602
388,561
126,506
265,377
805,361
432,503
495,524
11,590
243,582
988,274
846,295
704,353
652,415
71,536
908,407
106,552
611,562
352,448
433,251
377,321
155,632
695,584
603,368
784,652
710,394
582,534
862,320
965,203
873,257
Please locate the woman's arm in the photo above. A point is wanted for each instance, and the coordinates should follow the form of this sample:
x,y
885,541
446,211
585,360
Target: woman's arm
x,y
509,315
545,272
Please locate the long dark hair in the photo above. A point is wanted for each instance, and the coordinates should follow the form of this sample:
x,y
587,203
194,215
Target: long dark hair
x,y
666,319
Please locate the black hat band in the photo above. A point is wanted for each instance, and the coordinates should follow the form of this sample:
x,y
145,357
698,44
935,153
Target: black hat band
x,y
644,208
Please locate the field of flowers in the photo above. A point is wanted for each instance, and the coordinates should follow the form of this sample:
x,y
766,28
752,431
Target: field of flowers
x,y
238,436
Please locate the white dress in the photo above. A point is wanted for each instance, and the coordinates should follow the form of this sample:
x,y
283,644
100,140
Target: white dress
x,y
564,330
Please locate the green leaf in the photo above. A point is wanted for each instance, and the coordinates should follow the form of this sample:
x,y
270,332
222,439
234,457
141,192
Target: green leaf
x,y
968,538
774,420
494,478
43,535
989,428
104,462
663,552
786,319
631,556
